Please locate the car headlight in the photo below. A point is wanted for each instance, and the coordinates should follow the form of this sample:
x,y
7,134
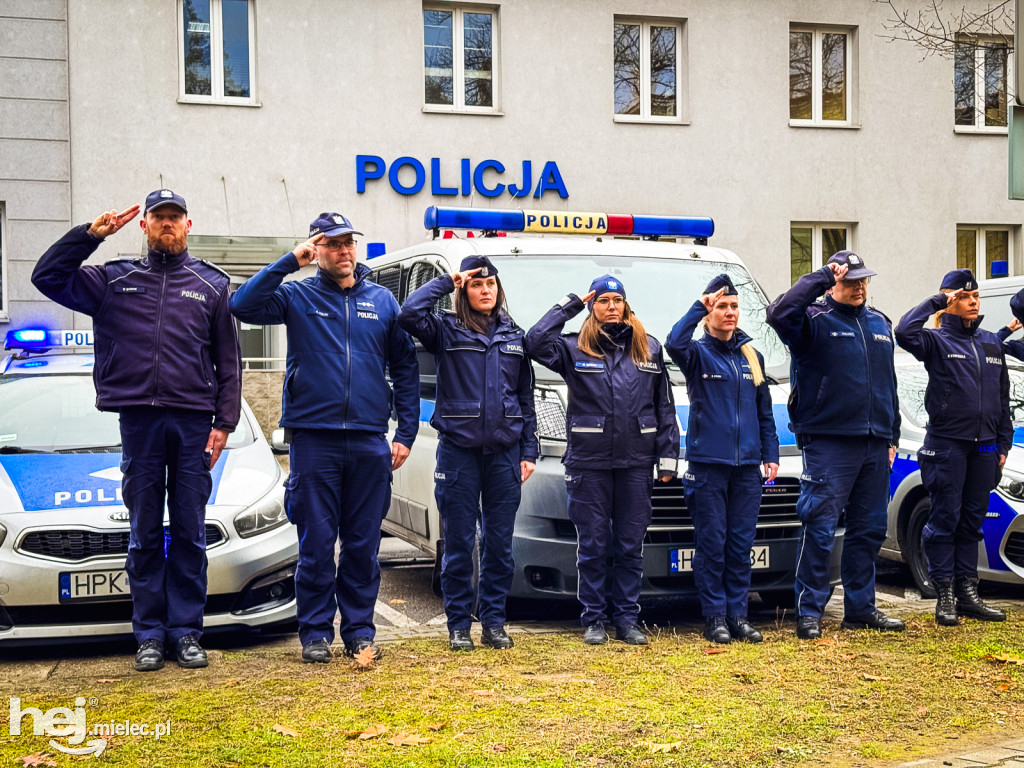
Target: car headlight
x,y
3,534
265,515
550,414
1012,485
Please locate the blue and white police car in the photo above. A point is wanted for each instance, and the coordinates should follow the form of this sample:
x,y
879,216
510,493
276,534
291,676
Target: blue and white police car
x,y
664,262
64,528
1001,552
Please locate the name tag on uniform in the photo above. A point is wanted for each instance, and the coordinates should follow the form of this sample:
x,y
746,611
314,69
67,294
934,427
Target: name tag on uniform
x,y
845,334
129,289
586,365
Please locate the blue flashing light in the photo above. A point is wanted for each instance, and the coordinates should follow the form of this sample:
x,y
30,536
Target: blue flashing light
x,y
33,364
41,340
373,250
674,226
474,218
27,336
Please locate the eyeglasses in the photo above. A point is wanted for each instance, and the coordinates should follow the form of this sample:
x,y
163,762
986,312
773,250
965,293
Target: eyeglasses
x,y
616,300
336,246
853,283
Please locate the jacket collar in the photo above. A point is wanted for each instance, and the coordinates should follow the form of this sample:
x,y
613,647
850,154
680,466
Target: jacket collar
x,y
361,273
954,324
739,338
846,309
165,261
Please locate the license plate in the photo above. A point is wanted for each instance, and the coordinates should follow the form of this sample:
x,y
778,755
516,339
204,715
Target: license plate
x,y
681,560
93,585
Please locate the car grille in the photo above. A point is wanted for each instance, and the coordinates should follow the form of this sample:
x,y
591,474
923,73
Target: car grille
x,y
76,545
1014,549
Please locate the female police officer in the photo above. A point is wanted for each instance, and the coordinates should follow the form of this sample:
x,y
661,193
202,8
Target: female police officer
x,y
488,443
621,421
731,432
969,434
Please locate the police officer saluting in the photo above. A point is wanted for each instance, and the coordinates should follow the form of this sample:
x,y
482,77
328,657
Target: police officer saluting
x,y
969,434
731,432
488,438
621,424
167,360
343,340
844,411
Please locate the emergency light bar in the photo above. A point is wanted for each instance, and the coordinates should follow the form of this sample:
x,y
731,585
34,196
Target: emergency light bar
x,y
39,340
567,222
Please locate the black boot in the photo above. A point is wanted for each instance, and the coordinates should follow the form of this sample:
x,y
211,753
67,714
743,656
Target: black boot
x,y
716,630
945,608
969,604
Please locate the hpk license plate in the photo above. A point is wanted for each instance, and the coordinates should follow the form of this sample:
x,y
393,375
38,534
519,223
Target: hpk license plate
x,y
93,585
681,560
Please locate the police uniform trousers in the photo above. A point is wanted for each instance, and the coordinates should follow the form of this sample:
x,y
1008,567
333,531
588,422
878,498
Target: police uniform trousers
x,y
959,475
339,489
611,509
163,456
723,501
473,488
841,474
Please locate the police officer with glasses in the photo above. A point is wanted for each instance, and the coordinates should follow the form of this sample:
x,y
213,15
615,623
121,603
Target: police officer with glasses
x,y
844,411
622,425
343,342
168,361
731,433
968,436
484,414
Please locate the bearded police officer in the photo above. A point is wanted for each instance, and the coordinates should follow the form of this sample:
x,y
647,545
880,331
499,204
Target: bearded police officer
x,y
845,414
167,360
343,342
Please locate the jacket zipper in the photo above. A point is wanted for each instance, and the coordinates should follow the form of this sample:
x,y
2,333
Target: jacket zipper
x,y
348,360
159,323
736,410
977,362
867,363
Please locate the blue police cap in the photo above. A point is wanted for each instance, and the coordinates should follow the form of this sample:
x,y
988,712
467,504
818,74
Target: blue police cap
x,y
722,281
162,197
478,262
957,279
606,284
856,268
331,224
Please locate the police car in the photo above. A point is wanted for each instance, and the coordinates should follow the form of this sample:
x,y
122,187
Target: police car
x,y
1001,552
64,528
664,263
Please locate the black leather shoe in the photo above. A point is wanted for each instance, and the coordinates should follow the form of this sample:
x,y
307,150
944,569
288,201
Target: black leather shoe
x,y
594,634
495,637
150,656
189,653
808,627
969,604
360,644
717,631
630,634
945,606
459,640
316,652
741,629
876,620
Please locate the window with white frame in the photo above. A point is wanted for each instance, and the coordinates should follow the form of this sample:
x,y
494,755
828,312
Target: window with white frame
x,y
820,76
3,264
981,90
217,51
979,247
648,66
811,245
459,55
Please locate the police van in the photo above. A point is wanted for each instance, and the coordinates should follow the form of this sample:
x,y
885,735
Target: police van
x,y
64,528
664,262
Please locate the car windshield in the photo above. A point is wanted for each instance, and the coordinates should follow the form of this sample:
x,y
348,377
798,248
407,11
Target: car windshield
x,y
659,290
57,413
912,380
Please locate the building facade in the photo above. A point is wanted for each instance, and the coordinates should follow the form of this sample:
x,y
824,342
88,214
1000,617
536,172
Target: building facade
x,y
796,124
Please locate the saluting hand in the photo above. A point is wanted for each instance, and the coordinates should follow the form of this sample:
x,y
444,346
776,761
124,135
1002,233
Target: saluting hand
x,y
589,296
710,299
1014,325
459,278
839,270
525,470
108,223
305,252
954,296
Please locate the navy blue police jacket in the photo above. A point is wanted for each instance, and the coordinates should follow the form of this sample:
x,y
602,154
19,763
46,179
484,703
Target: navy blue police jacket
x,y
842,374
342,345
731,420
620,414
968,394
162,330
484,382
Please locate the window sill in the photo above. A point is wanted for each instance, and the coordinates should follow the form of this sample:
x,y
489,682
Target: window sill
x,y
219,102
969,131
633,120
439,110
830,125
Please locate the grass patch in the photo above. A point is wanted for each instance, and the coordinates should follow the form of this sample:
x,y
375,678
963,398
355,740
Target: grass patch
x,y
852,698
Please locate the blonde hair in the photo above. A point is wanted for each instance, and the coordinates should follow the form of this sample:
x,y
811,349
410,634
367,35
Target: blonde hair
x,y
751,354
936,319
589,337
